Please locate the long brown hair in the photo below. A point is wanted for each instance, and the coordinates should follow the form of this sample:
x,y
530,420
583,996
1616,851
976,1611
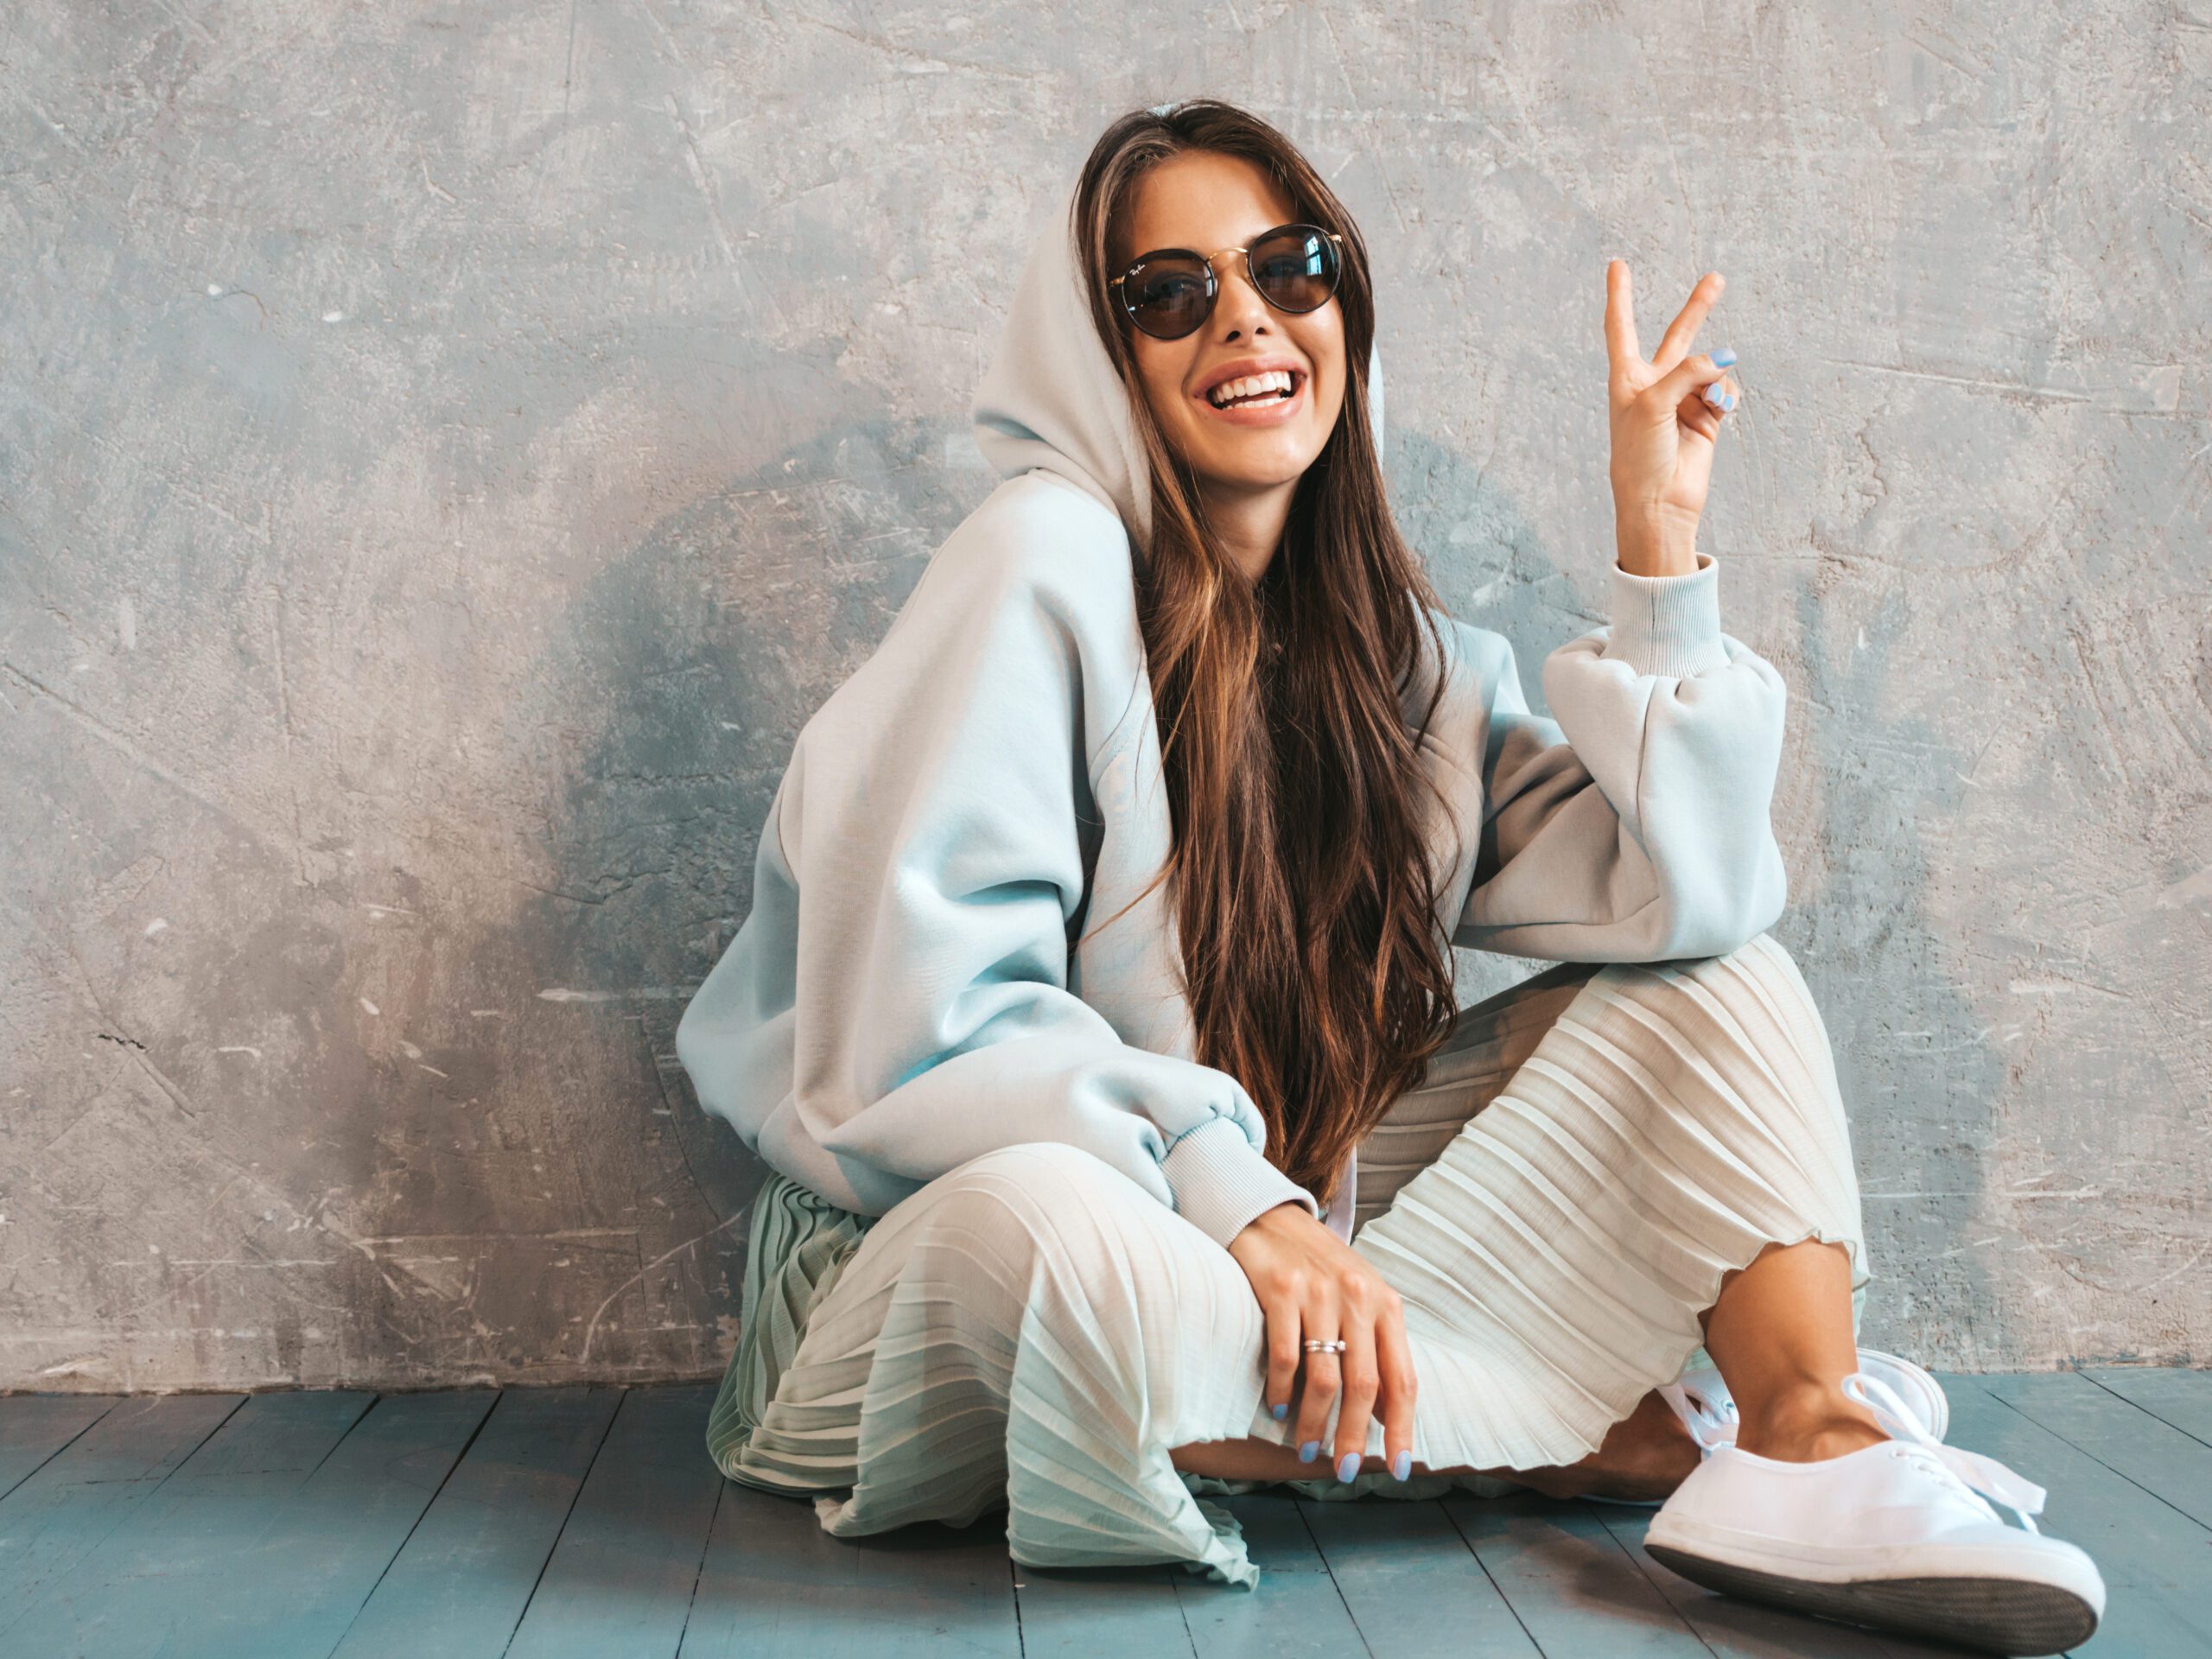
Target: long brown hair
x,y
1317,973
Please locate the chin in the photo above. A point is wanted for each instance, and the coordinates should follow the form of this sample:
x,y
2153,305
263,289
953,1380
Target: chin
x,y
1279,465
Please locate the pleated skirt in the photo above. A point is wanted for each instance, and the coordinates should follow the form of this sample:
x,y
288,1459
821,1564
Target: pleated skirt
x,y
1588,1156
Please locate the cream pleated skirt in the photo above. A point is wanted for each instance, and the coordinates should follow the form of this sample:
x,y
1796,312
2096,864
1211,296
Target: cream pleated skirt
x,y
1556,1203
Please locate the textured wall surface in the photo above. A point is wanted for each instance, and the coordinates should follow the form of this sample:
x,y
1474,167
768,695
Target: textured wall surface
x,y
446,451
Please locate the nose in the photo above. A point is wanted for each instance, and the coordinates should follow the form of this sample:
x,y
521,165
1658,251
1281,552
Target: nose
x,y
1238,310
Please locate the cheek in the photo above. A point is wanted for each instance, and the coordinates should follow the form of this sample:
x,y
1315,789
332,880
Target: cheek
x,y
1163,386
1324,348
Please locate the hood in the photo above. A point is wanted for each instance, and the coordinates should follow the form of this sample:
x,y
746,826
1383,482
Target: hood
x,y
1051,398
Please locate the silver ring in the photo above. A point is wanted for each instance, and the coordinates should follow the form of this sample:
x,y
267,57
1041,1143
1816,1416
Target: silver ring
x,y
1318,1346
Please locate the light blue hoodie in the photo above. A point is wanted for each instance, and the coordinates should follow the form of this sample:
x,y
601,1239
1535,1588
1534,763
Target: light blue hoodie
x,y
903,996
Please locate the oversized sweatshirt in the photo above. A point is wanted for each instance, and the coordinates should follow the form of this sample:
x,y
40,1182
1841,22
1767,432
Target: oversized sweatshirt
x,y
907,992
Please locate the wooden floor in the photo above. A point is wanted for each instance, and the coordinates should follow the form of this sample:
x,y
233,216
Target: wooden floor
x,y
589,1521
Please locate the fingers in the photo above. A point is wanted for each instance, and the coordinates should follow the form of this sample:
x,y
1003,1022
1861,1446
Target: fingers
x,y
1393,1355
1283,1329
1324,1372
1691,376
1620,317
1688,321
1361,1382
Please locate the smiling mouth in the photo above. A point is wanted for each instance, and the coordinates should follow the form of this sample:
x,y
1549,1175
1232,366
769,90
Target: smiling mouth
x,y
1261,400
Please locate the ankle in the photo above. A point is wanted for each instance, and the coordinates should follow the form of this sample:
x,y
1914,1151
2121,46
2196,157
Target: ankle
x,y
1807,1424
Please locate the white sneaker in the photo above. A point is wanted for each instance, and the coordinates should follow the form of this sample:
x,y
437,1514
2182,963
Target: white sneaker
x,y
1701,1399
1900,1535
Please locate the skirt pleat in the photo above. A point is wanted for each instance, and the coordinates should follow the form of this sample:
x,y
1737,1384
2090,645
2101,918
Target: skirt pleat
x,y
1589,1156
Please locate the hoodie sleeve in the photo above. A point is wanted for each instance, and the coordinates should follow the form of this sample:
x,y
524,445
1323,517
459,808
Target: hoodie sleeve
x,y
1634,827
931,823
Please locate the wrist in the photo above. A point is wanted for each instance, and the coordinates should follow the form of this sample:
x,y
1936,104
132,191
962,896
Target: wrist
x,y
1276,1217
1656,543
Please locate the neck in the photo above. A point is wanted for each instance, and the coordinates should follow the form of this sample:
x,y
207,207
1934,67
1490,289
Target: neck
x,y
1250,522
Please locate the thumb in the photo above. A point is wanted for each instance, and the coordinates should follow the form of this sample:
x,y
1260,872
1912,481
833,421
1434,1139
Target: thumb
x,y
1691,374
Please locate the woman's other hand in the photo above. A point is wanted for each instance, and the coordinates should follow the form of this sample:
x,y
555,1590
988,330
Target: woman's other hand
x,y
1665,415
1311,1284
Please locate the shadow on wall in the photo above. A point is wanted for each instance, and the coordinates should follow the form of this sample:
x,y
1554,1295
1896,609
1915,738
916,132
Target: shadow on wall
x,y
1923,1099
670,706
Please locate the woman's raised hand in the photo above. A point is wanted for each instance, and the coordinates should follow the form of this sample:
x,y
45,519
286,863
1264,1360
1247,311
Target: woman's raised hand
x,y
1665,415
1310,1283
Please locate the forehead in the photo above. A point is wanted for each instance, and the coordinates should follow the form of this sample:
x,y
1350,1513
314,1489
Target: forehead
x,y
1202,199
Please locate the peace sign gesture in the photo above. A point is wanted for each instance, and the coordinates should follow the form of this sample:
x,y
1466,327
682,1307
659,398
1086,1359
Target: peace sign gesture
x,y
1665,414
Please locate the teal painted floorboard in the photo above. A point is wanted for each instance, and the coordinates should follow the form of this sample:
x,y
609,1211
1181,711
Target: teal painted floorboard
x,y
2157,1562
459,1584
39,1425
620,1582
140,1588
570,1522
65,1508
775,1583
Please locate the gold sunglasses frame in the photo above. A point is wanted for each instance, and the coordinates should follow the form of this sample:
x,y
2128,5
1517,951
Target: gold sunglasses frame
x,y
1213,282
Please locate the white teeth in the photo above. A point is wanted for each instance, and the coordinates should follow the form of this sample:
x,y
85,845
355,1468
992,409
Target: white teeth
x,y
1271,384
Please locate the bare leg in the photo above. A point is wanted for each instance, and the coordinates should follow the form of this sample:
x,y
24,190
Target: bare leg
x,y
1780,1334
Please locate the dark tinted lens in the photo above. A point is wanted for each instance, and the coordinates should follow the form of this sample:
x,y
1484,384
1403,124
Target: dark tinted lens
x,y
1168,296
1295,268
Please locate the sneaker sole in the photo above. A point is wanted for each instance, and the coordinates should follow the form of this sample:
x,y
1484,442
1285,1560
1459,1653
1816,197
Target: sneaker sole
x,y
2012,1616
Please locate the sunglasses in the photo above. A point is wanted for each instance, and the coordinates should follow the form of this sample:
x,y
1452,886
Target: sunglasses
x,y
1170,292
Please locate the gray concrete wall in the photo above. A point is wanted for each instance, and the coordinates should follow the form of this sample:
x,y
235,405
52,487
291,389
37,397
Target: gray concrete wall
x,y
446,451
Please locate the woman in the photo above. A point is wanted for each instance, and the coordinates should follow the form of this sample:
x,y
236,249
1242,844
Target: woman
x,y
1094,1191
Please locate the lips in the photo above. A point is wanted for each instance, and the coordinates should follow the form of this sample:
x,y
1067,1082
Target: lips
x,y
1264,411
1238,368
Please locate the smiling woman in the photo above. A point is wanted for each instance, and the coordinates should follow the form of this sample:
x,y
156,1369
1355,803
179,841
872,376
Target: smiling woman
x,y
1253,319
1102,933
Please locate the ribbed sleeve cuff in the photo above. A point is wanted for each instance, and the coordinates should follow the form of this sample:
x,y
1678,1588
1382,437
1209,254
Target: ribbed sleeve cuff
x,y
1668,624
1221,1181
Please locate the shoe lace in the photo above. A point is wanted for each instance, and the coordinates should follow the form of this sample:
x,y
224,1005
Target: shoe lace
x,y
1708,1427
1979,1477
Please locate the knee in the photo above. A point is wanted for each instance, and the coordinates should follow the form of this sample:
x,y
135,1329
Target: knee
x,y
1758,982
1761,958
1024,1194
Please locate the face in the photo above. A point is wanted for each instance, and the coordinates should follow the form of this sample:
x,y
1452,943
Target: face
x,y
1208,202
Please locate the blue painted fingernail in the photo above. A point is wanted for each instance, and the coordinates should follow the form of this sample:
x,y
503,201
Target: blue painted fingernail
x,y
1348,1466
1401,1466
1310,1451
1724,356
1282,1411
1714,396
1730,403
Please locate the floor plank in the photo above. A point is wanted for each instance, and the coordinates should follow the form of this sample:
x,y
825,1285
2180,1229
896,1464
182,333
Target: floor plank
x,y
2153,1557
59,1513
1276,1536
1411,1583
33,1427
1296,1608
326,1544
132,1592
1102,1613
774,1583
2154,1454
1576,1591
1290,1615
458,1588
2173,1393
592,1521
620,1582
